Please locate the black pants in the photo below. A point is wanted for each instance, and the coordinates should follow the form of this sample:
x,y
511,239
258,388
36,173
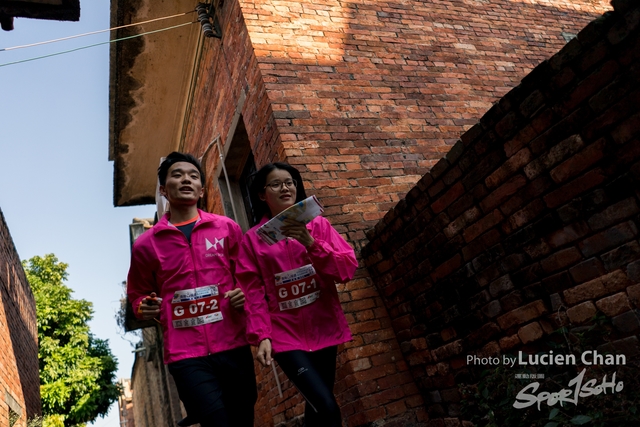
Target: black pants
x,y
218,390
314,373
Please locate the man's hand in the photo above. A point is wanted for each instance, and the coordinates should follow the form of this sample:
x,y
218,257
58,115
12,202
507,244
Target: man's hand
x,y
150,306
297,230
264,352
236,298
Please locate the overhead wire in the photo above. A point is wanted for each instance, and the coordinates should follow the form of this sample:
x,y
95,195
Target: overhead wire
x,y
98,44
95,32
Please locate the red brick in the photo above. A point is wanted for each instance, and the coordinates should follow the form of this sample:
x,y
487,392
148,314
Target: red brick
x,y
507,343
614,304
484,224
531,332
634,294
587,270
447,351
512,165
579,162
503,192
610,238
449,197
367,350
556,154
362,327
568,234
581,313
596,288
459,223
560,260
491,349
614,213
522,314
574,188
526,214
627,130
592,84
447,267
500,286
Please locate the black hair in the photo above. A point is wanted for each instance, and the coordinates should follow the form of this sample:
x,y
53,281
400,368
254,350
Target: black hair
x,y
260,207
176,157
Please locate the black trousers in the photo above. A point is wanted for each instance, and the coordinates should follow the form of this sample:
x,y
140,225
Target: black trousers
x,y
218,390
314,373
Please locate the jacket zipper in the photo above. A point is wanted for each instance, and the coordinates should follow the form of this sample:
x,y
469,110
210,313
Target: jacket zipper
x,y
195,275
302,321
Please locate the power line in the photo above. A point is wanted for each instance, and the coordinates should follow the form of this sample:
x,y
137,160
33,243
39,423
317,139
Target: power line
x,y
95,32
97,44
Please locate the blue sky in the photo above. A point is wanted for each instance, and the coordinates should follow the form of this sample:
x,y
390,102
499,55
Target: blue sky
x,y
57,181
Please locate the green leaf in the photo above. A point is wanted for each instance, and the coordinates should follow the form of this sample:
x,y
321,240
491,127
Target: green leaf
x,y
553,413
551,424
580,420
77,370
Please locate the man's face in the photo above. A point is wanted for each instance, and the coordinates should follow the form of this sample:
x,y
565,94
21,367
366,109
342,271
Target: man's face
x,y
183,185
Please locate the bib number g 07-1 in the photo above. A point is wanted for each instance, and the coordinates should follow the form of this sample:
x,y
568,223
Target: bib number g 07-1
x,y
297,288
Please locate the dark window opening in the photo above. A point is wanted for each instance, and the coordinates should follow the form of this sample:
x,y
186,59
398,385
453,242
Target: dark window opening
x,y
240,165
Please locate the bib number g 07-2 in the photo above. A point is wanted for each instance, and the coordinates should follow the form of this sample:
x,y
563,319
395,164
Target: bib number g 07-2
x,y
194,307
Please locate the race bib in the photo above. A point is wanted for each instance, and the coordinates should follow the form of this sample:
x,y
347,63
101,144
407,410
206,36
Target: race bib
x,y
297,288
194,307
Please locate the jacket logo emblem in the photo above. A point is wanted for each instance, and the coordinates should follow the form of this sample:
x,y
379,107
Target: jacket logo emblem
x,y
215,244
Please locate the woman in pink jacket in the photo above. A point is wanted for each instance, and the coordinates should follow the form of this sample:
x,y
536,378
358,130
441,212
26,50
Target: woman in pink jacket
x,y
296,317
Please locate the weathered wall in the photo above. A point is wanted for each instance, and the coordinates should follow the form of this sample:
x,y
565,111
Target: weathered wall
x,y
364,97
125,404
19,371
154,396
529,224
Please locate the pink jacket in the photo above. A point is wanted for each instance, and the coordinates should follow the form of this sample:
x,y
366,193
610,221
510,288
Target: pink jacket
x,y
163,261
311,327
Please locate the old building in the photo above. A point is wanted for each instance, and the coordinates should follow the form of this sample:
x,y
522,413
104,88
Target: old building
x,y
364,97
19,370
125,404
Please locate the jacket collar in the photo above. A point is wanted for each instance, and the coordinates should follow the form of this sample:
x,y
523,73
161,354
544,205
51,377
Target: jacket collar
x,y
164,224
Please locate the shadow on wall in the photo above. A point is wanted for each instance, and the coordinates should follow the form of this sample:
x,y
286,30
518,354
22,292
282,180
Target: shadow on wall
x,y
523,241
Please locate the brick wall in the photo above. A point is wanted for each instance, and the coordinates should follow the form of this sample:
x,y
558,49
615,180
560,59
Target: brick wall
x,y
154,397
528,224
364,97
19,375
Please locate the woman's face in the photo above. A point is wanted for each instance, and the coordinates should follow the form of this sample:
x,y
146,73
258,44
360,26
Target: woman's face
x,y
279,197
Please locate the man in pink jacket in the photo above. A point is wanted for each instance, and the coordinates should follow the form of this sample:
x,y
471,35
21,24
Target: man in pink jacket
x,y
293,309
182,273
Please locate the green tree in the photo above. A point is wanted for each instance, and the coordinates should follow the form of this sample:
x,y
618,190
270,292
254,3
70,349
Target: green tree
x,y
77,370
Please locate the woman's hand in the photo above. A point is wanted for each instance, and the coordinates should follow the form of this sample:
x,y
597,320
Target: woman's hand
x,y
264,352
236,298
297,230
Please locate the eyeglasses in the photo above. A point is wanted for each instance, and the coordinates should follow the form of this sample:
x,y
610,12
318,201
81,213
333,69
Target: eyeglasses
x,y
277,185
